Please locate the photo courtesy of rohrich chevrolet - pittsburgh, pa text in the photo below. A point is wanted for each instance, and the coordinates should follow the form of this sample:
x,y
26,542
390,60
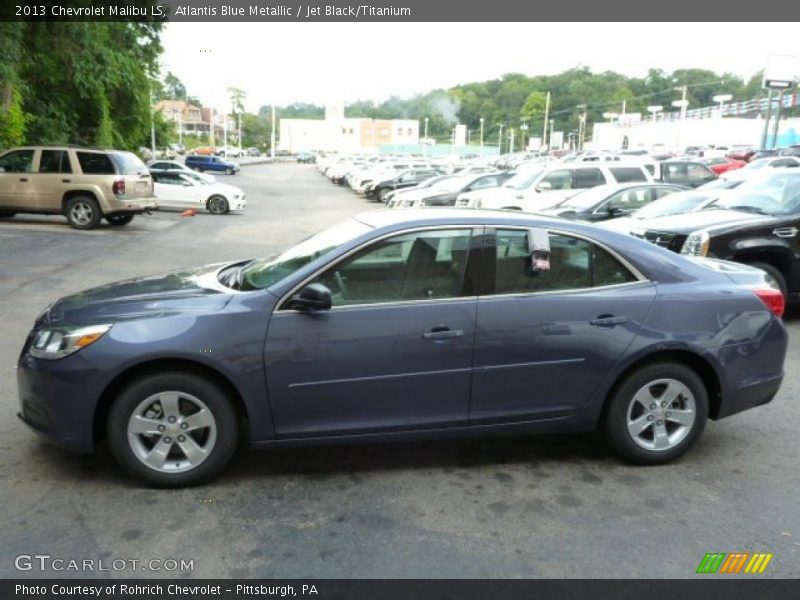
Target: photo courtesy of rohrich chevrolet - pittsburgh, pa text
x,y
401,299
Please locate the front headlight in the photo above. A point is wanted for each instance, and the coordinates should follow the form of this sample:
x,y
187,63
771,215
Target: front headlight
x,y
407,203
58,342
696,244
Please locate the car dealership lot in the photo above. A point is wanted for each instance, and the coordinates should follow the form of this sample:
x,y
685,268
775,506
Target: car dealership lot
x,y
517,507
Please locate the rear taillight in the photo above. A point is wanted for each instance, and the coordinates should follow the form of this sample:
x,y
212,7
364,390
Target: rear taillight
x,y
773,299
118,187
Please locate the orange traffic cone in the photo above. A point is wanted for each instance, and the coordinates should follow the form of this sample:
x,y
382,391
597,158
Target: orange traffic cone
x,y
189,213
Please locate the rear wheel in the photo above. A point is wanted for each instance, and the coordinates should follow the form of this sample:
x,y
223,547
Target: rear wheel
x,y
657,413
218,205
83,212
382,193
120,219
229,171
172,429
774,276
7,214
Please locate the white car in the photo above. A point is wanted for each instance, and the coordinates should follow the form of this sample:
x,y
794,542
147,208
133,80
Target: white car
x,y
179,167
229,151
536,189
175,189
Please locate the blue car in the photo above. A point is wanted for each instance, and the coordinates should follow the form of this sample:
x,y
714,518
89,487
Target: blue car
x,y
400,324
211,163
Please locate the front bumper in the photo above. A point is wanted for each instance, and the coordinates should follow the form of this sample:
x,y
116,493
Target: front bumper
x,y
58,401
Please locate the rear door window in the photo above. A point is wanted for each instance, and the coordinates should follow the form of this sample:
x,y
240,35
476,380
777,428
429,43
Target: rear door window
x,y
587,178
627,174
54,161
95,163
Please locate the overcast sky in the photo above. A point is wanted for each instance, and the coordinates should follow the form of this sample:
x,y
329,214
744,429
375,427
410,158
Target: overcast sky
x,y
328,62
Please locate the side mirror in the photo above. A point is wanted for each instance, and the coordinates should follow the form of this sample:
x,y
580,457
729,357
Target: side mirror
x,y
314,296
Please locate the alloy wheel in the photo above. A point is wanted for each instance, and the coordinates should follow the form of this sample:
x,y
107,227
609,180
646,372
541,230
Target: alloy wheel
x,y
661,414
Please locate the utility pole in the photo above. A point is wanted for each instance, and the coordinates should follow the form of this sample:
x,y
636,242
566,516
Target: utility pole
x,y
152,124
552,128
766,120
777,120
272,135
511,142
239,133
546,116
481,136
500,140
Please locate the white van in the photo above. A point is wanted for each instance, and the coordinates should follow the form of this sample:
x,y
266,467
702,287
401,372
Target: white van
x,y
533,190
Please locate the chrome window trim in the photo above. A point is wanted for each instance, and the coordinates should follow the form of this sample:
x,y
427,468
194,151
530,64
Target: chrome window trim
x,y
640,278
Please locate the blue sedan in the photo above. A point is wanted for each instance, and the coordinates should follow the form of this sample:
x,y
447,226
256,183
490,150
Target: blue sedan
x,y
406,324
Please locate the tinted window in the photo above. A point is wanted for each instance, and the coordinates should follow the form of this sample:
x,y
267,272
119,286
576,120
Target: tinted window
x,y
626,174
18,161
94,163
128,163
629,200
425,265
54,161
168,178
587,178
784,162
574,264
557,180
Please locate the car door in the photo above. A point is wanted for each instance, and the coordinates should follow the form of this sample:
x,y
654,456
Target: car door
x,y
53,175
548,336
16,169
395,350
172,188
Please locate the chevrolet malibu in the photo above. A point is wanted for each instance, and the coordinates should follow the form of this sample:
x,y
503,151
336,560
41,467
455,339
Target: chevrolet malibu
x,y
402,324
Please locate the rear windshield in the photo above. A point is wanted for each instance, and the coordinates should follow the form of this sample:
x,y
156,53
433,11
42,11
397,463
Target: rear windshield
x,y
128,163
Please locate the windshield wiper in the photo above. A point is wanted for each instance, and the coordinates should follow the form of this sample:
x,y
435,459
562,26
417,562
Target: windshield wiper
x,y
747,208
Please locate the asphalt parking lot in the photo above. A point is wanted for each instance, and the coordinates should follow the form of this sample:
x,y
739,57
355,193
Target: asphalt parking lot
x,y
516,507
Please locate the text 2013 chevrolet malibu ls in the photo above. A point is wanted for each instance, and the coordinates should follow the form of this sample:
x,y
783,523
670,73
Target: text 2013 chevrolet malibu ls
x,y
391,325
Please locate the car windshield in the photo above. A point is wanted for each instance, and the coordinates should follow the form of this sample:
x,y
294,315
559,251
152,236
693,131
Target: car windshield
x,y
588,198
758,164
523,180
775,195
673,204
262,273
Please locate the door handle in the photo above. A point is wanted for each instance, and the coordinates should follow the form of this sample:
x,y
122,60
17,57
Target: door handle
x,y
66,181
785,232
608,321
23,179
442,332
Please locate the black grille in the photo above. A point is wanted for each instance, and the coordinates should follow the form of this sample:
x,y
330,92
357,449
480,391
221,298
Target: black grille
x,y
665,239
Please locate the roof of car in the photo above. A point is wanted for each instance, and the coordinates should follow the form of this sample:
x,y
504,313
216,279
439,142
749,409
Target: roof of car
x,y
433,216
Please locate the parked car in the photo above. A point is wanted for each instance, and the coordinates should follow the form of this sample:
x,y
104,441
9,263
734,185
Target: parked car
x,y
539,188
793,150
83,184
721,164
566,327
610,201
212,163
378,190
253,151
691,173
228,152
305,157
756,224
396,197
447,191
678,203
175,189
202,151
178,148
773,162
174,165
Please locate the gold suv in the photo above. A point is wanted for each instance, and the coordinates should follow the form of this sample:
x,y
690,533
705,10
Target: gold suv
x,y
83,184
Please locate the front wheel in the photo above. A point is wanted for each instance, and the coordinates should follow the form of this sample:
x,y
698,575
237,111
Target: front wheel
x,y
229,171
382,193
217,205
120,219
656,414
172,429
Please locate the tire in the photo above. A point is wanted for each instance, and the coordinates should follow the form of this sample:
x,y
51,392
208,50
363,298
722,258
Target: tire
x,y
229,171
83,212
120,219
218,205
199,169
626,410
168,404
382,193
7,214
776,275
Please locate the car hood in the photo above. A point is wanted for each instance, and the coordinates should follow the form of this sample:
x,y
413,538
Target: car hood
x,y
704,219
177,292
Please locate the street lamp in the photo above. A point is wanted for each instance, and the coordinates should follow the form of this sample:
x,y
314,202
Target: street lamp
x,y
524,131
425,138
481,136
722,99
654,110
500,140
